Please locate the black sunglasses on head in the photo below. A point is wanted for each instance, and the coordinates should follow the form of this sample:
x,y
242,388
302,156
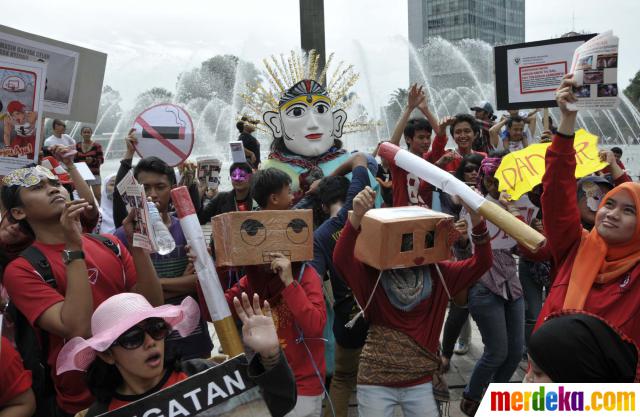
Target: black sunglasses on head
x,y
133,338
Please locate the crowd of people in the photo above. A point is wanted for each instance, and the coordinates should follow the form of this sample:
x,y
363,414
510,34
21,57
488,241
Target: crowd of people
x,y
101,323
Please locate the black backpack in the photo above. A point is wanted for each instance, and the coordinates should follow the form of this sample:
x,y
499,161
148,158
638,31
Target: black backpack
x,y
33,349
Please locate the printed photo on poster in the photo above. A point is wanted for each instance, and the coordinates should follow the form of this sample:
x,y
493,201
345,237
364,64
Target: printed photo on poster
x,y
62,65
21,90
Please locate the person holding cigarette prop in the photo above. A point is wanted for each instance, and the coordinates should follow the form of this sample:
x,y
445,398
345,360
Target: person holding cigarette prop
x,y
399,364
597,271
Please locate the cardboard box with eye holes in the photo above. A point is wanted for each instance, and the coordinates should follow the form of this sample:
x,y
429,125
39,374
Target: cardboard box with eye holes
x,y
403,237
247,238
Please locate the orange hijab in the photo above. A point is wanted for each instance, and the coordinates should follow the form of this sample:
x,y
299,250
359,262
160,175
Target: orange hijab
x,y
598,262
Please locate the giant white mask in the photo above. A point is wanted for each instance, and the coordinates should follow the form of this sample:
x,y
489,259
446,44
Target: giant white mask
x,y
305,120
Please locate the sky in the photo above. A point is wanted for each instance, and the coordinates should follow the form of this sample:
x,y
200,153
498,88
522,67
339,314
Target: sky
x,y
149,43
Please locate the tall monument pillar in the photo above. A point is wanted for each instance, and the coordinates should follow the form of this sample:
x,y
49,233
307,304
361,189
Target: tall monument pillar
x,y
312,27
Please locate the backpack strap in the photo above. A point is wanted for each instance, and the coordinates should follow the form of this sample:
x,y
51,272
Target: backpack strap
x,y
115,248
41,264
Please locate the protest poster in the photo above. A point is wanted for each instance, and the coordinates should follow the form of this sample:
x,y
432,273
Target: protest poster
x,y
74,74
527,74
22,86
499,238
522,170
209,172
237,152
166,131
133,195
223,390
595,69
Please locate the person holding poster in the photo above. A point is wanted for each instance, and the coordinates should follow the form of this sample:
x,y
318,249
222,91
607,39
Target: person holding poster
x,y
597,271
125,358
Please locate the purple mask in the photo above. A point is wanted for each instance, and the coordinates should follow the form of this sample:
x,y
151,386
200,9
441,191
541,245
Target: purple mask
x,y
240,175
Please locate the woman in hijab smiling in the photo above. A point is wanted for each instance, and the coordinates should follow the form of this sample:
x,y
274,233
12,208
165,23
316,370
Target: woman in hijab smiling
x,y
597,271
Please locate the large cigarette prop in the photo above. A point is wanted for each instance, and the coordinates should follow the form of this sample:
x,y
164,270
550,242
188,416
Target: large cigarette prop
x,y
207,276
440,178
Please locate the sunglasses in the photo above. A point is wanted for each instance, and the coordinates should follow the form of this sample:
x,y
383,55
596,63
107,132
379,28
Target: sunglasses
x,y
133,338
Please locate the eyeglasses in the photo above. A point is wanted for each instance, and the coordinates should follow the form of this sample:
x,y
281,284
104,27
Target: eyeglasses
x,y
133,338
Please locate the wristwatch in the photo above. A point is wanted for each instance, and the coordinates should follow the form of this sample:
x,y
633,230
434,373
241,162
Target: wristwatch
x,y
69,256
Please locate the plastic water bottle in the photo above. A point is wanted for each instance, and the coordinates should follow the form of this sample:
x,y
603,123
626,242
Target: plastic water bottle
x,y
164,240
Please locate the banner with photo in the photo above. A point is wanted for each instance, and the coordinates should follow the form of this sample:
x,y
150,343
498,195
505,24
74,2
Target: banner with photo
x,y
62,65
224,390
595,69
22,87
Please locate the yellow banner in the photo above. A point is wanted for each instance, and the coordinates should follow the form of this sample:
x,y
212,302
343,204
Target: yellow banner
x,y
522,170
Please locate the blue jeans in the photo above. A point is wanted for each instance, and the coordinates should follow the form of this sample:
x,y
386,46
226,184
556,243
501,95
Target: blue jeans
x,y
501,325
533,297
379,401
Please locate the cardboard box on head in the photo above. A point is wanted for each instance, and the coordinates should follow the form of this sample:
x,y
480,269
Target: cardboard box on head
x,y
248,238
403,237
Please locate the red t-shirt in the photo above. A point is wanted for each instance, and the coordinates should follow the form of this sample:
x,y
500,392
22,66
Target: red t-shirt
x,y
169,379
424,323
617,300
108,276
14,379
299,305
408,189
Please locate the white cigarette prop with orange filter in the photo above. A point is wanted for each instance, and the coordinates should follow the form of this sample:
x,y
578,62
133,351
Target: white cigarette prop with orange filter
x,y
440,178
207,276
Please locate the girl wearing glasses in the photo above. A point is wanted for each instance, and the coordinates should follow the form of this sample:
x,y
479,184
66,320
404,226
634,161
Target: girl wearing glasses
x,y
125,358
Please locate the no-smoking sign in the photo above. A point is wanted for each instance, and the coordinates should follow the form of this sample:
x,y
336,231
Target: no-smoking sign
x,y
166,131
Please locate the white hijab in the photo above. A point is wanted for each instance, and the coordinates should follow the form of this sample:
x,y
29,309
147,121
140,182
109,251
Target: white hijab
x,y
106,207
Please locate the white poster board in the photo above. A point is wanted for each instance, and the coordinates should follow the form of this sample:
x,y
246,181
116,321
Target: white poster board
x,y
528,74
74,74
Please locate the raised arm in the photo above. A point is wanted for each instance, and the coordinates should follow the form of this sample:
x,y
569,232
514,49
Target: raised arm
x,y
561,216
494,132
424,108
415,97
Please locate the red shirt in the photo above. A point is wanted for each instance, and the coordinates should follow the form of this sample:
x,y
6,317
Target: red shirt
x,y
32,296
438,150
298,305
424,323
408,189
617,301
168,380
14,379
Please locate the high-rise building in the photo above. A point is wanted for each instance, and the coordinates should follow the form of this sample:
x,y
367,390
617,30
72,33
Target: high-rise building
x,y
493,21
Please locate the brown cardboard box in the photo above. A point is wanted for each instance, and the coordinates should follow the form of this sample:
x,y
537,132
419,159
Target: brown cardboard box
x,y
402,237
247,238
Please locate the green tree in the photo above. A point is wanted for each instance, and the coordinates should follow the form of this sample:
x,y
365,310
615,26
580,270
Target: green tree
x,y
218,76
633,90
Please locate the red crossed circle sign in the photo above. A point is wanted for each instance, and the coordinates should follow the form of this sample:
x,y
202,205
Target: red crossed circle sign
x,y
166,131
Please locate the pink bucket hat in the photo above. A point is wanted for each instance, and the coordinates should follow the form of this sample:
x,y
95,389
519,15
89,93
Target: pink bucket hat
x,y
114,317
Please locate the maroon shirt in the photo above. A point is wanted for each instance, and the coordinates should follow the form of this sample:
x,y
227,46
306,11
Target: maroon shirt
x,y
95,152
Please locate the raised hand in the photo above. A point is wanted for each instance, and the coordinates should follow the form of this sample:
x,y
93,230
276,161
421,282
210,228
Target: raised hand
x,y
258,329
70,221
416,96
281,265
364,201
565,95
131,141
